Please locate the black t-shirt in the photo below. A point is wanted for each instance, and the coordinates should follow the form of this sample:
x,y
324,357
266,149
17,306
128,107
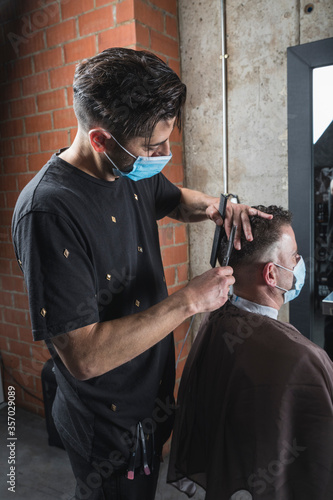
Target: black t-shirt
x,y
89,251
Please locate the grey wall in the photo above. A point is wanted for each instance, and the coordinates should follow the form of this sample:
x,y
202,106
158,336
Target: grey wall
x,y
258,34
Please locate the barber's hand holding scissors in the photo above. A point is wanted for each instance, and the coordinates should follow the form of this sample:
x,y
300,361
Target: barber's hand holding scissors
x,y
237,214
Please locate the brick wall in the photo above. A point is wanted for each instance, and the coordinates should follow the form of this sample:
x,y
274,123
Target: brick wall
x,y
41,41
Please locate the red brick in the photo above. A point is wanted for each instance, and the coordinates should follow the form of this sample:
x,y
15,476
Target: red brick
x,y
34,84
6,298
32,366
171,26
177,155
3,344
121,36
182,273
142,36
62,77
175,66
69,93
37,161
6,217
28,144
101,3
165,221
148,15
180,368
32,402
15,268
167,5
164,45
23,107
166,236
35,44
4,110
3,236
174,255
6,148
170,275
125,11
54,140
9,331
97,20
185,350
11,90
20,68
61,33
15,317
180,234
64,118
5,268
50,58
23,180
7,252
8,183
40,352
11,199
25,334
51,100
11,128
15,165
180,331
176,136
75,7
21,301
11,361
22,378
38,123
46,16
174,173
80,49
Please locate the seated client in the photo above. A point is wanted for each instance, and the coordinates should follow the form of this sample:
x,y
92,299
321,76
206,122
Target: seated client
x,y
255,416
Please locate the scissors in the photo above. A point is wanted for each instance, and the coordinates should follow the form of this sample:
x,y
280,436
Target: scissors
x,y
220,235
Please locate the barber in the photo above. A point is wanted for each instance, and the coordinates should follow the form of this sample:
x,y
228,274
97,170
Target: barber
x,y
86,238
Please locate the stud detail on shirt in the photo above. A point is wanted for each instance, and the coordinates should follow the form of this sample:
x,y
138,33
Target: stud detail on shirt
x,y
137,303
66,253
136,197
19,262
113,219
140,249
108,277
113,407
43,312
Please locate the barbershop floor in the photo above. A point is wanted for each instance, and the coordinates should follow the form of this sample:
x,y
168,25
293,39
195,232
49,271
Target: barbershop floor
x,y
43,472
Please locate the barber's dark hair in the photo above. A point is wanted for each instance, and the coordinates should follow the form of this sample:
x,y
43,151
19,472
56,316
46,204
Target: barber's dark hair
x,y
265,233
127,92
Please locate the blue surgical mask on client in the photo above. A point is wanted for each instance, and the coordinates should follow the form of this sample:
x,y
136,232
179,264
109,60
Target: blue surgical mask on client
x,y
299,272
143,167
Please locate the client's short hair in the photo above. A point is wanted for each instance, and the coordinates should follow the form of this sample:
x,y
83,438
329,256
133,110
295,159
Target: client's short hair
x,y
265,232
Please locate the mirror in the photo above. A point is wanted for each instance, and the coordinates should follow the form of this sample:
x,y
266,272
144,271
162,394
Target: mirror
x,y
322,111
310,166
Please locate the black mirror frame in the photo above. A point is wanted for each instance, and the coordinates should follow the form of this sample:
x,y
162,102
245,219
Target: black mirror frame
x,y
301,60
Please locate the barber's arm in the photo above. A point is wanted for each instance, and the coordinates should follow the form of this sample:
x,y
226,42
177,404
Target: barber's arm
x,y
97,348
196,206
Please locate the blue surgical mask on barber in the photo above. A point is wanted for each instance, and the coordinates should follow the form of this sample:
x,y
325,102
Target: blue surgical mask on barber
x,y
299,273
143,167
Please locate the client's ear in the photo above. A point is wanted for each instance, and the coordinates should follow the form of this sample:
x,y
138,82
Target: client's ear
x,y
269,274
